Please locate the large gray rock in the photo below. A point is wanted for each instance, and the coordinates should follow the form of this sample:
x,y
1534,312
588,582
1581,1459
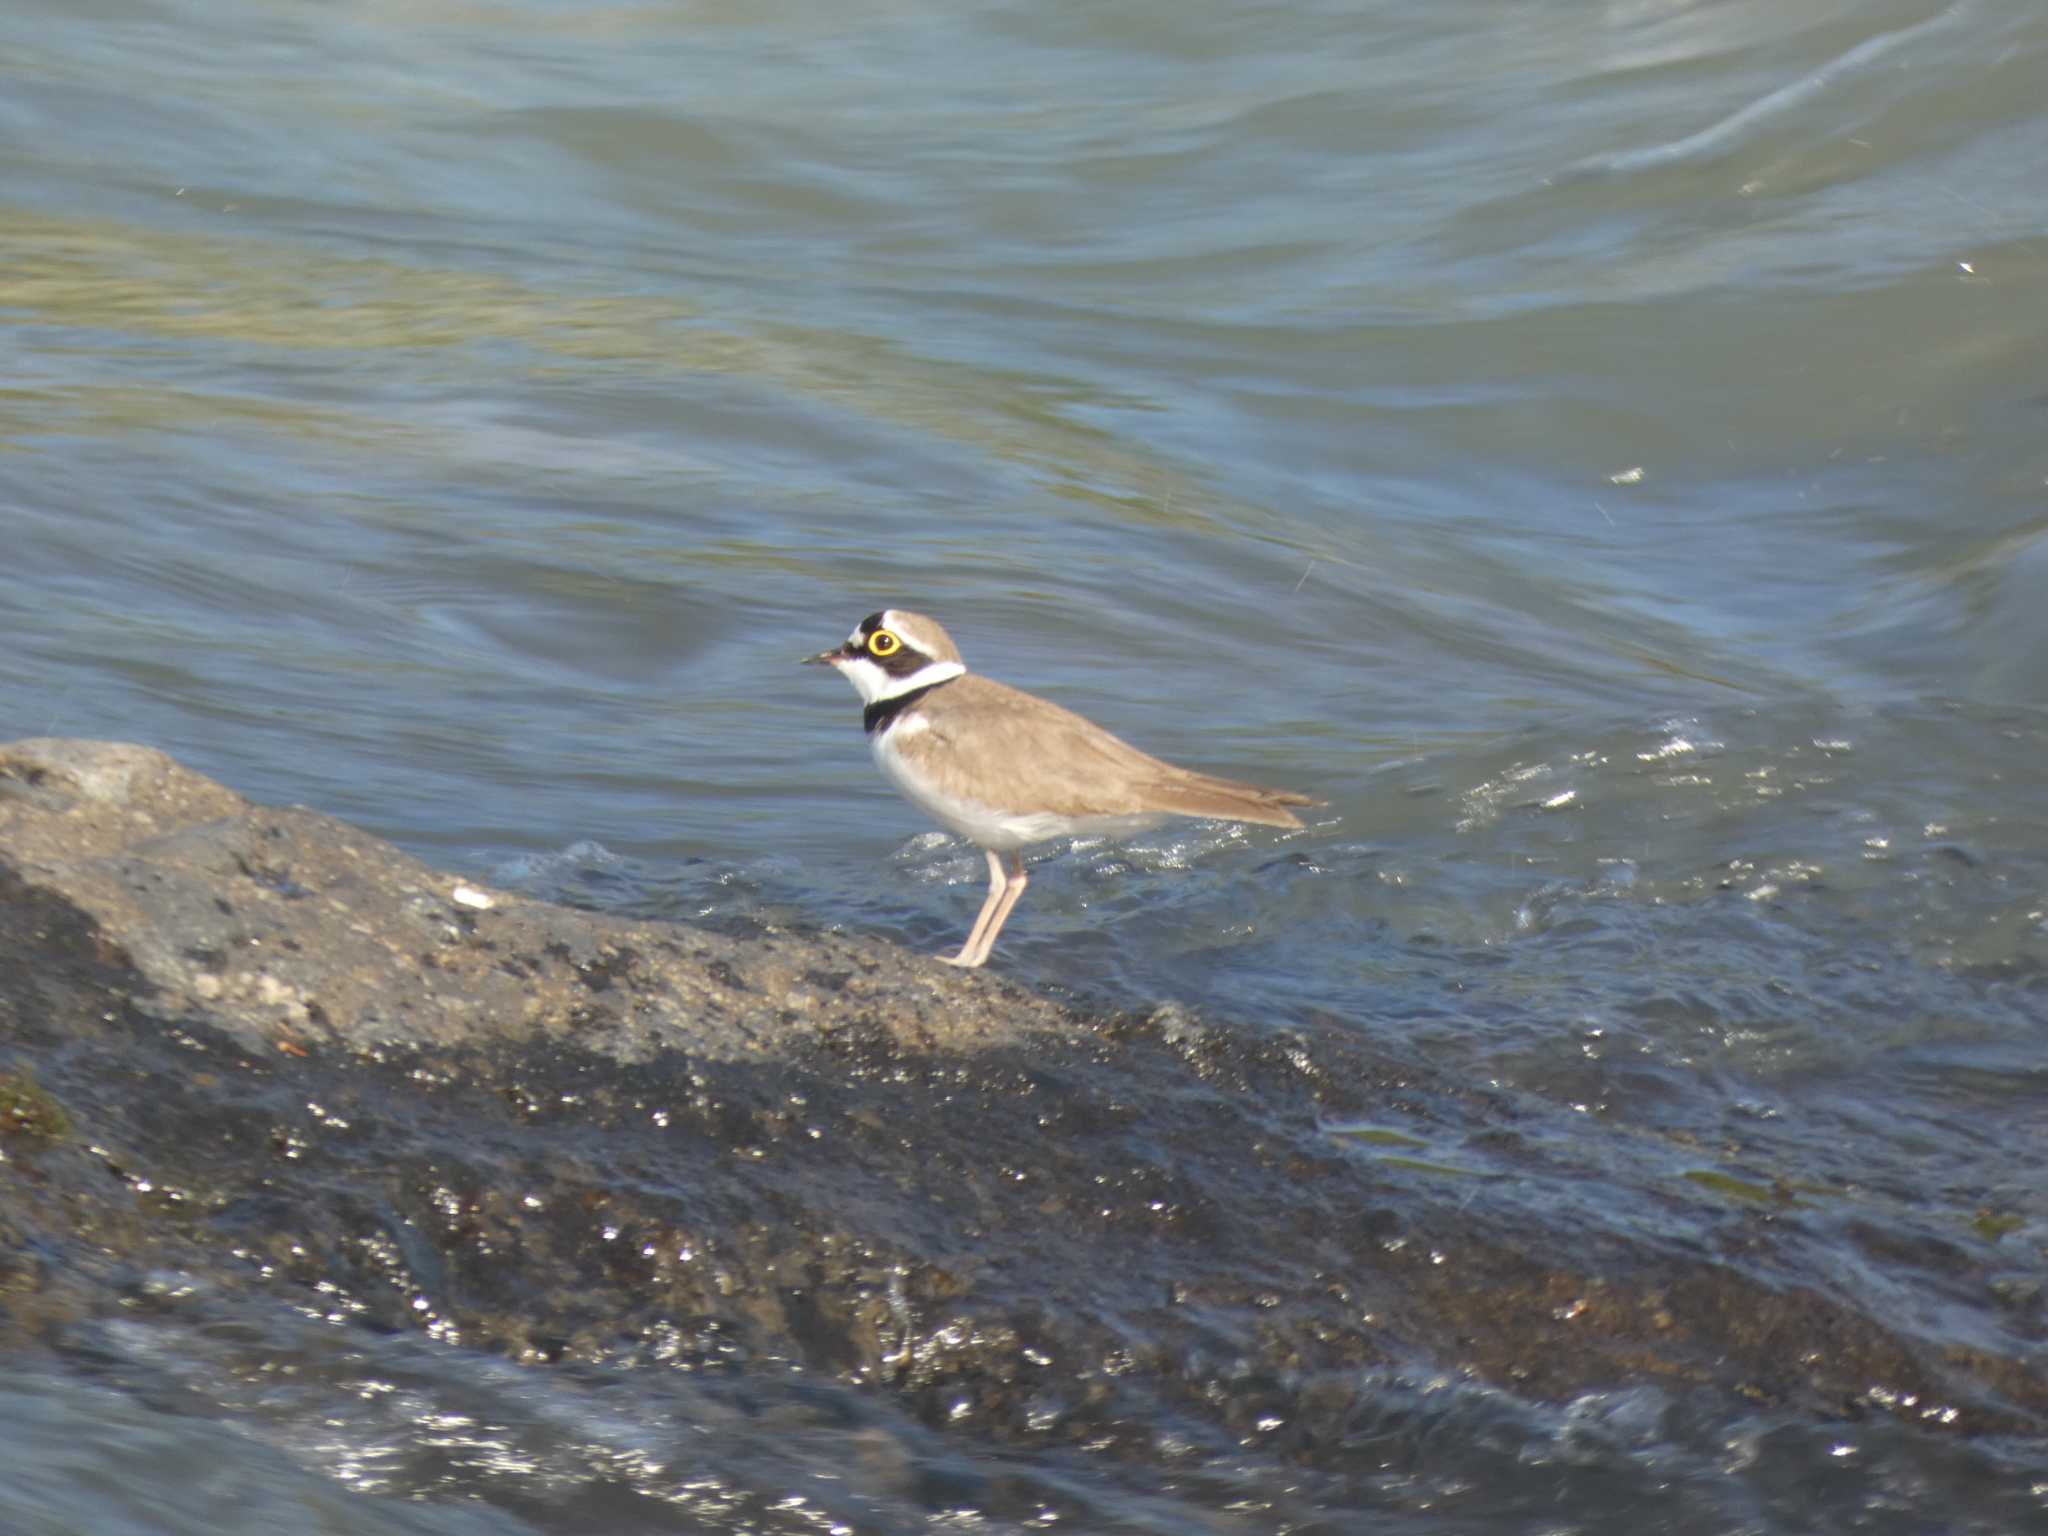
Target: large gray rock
x,y
286,926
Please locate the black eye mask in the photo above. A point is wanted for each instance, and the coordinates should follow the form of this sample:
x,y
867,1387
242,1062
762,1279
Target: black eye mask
x,y
901,662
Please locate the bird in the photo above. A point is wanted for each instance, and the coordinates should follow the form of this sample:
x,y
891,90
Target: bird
x,y
1006,769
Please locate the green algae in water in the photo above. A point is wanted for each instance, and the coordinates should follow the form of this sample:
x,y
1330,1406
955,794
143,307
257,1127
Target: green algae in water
x,y
1375,1136
1381,1136
1422,1165
1728,1184
1777,1192
26,1109
1992,1225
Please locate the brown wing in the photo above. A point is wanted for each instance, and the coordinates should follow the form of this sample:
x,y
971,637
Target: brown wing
x,y
1031,751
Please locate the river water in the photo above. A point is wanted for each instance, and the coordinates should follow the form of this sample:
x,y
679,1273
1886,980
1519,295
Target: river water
x,y
1600,448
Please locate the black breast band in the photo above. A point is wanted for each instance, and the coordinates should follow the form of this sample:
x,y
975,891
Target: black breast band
x,y
879,715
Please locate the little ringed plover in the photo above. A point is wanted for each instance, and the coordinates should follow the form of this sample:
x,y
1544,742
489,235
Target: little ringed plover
x,y
1005,769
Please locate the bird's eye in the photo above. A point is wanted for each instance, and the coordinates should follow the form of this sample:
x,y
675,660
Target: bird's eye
x,y
882,643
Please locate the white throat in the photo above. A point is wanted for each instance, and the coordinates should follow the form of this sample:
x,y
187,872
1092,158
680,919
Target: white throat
x,y
874,685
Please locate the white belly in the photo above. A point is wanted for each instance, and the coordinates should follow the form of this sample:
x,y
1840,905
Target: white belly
x,y
987,825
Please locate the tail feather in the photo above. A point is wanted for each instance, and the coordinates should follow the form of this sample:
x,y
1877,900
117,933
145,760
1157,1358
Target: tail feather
x,y
1201,794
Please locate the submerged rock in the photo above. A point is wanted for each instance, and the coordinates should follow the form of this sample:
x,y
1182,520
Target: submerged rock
x,y
290,1061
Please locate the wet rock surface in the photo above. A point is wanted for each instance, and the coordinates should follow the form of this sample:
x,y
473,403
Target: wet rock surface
x,y
285,1061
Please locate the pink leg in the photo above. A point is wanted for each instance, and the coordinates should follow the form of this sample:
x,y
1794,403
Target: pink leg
x,y
994,917
995,896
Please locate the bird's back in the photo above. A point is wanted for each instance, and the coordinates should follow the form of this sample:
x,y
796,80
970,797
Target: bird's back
x,y
1030,753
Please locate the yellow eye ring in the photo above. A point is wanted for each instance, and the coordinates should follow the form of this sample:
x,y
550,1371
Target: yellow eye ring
x,y
882,643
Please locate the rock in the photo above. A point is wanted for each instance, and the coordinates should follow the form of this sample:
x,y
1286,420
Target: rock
x,y
279,1060
288,926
